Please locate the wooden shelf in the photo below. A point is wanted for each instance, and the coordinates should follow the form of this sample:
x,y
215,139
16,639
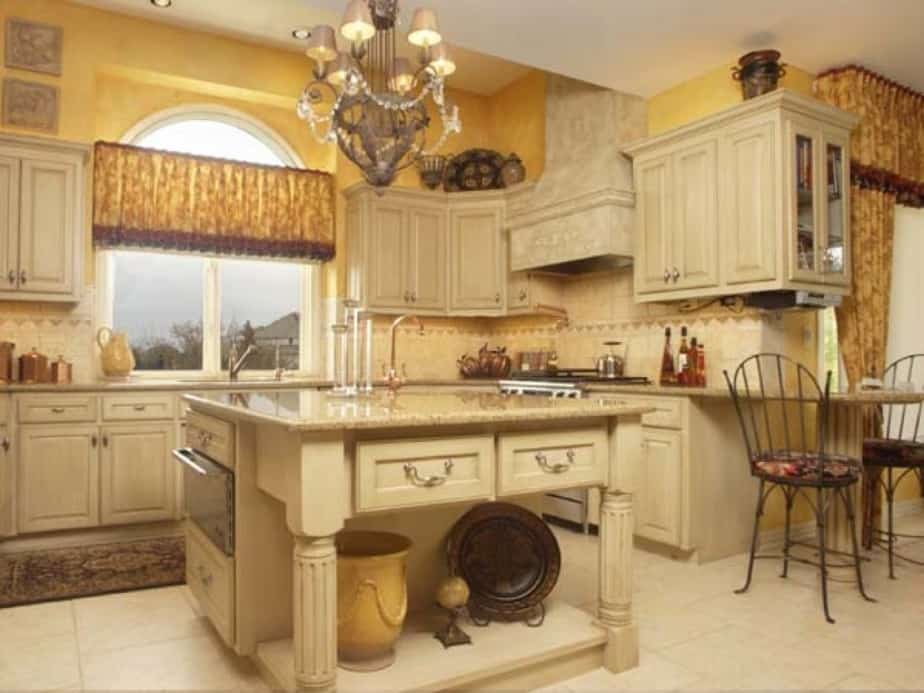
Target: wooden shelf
x,y
503,656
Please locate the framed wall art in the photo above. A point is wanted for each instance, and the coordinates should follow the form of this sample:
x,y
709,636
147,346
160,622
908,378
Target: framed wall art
x,y
33,46
30,105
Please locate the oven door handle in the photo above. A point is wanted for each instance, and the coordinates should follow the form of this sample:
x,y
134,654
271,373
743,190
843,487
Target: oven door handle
x,y
197,463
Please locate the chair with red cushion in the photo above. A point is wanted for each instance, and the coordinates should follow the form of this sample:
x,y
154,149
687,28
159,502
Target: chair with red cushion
x,y
900,449
783,413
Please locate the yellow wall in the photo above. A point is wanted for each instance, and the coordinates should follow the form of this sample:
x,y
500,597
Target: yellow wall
x,y
119,69
707,94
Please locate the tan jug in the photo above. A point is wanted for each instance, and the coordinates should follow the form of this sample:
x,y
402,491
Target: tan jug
x,y
115,353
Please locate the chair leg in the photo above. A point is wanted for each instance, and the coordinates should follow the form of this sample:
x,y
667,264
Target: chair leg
x,y
822,549
786,543
851,518
757,515
890,497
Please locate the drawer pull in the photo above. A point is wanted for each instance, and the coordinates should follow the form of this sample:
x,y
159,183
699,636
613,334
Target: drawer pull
x,y
427,481
558,467
140,407
57,410
205,577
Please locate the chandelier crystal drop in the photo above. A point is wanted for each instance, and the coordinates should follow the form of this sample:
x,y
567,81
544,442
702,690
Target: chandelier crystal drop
x,y
369,100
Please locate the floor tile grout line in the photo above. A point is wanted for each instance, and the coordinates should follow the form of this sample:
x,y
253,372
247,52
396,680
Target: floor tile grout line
x,y
70,604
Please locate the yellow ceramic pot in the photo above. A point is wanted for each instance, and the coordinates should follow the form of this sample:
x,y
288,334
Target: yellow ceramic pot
x,y
371,597
115,353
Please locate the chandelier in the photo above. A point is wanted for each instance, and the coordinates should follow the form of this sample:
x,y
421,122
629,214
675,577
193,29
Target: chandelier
x,y
369,100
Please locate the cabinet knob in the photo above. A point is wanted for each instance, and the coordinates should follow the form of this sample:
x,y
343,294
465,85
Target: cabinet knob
x,y
675,275
522,294
5,445
22,276
105,441
93,441
497,297
12,276
667,276
407,296
413,297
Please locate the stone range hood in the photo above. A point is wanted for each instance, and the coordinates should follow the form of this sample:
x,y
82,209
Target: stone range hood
x,y
578,216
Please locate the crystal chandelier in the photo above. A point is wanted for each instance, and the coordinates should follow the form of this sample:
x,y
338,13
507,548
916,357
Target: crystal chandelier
x,y
372,102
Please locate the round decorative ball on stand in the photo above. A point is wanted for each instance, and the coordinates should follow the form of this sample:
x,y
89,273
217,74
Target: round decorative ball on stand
x,y
452,594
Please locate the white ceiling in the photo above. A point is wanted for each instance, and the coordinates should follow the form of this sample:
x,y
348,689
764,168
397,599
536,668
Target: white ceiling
x,y
639,46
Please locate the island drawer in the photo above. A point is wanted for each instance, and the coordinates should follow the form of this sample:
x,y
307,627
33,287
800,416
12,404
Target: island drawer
x,y
57,408
546,460
210,436
137,407
210,576
424,471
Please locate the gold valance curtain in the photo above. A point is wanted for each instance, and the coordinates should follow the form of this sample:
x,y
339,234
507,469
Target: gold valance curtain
x,y
145,198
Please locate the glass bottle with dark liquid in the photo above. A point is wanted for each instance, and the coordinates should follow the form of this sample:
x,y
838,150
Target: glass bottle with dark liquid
x,y
668,376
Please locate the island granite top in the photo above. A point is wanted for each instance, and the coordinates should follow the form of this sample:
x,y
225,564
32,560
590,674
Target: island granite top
x,y
314,410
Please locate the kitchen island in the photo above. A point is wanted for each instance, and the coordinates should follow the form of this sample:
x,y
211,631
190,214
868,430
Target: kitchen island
x,y
307,464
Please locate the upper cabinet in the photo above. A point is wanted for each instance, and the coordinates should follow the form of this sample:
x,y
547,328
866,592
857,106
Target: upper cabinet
x,y
428,253
42,194
755,198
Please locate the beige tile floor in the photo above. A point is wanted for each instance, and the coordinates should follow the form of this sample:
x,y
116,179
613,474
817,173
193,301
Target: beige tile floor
x,y
695,633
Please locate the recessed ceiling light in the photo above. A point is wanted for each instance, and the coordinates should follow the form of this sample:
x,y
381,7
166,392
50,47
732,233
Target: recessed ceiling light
x,y
301,33
162,3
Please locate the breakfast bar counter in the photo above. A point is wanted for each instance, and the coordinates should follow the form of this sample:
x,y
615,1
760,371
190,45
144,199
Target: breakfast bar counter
x,y
308,464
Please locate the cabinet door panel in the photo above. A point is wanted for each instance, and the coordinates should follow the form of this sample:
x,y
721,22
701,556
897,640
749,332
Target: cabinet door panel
x,y
836,209
804,181
694,227
58,478
9,224
137,474
659,484
653,178
388,268
478,267
749,217
427,240
47,226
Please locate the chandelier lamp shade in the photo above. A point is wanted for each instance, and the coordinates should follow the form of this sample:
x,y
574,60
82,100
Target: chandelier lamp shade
x,y
371,101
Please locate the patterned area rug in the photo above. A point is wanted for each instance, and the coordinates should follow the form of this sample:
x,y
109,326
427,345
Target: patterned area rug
x,y
38,576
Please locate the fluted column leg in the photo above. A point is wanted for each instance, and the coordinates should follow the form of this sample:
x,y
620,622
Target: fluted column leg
x,y
615,610
315,617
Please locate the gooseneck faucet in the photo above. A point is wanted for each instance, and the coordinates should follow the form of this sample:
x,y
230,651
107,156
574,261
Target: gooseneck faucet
x,y
393,380
235,363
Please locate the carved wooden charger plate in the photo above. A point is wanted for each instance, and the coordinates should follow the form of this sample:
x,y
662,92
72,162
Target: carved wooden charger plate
x,y
509,558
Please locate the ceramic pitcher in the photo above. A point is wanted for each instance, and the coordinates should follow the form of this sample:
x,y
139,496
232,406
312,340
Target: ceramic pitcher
x,y
115,353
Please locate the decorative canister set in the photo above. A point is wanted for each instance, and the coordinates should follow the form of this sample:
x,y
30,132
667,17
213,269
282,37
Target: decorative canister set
x,y
33,368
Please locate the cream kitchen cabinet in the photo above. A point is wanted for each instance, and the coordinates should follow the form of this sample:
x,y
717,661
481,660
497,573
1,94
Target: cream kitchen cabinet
x,y
532,292
58,477
659,481
424,252
7,471
137,473
754,198
42,195
478,258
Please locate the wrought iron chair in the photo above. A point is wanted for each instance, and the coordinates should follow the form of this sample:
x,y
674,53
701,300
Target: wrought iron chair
x,y
783,413
899,448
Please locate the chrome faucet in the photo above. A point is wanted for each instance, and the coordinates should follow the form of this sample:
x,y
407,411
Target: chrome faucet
x,y
393,381
235,363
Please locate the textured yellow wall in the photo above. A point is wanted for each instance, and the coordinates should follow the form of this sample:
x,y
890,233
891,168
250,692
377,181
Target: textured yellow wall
x,y
707,94
517,115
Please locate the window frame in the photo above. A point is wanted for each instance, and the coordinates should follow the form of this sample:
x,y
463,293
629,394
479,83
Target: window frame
x,y
310,358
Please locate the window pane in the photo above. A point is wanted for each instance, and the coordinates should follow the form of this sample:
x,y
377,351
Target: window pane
x,y
829,344
157,301
260,308
210,138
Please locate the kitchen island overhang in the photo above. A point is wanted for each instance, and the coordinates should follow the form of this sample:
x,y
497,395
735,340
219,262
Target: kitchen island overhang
x,y
308,463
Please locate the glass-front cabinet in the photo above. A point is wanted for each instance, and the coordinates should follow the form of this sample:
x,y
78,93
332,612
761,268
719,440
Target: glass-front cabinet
x,y
818,173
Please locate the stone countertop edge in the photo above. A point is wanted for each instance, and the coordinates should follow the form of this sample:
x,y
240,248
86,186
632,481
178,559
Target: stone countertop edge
x,y
422,420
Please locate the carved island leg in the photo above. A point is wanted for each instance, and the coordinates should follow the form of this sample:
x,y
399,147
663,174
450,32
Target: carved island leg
x,y
315,617
617,527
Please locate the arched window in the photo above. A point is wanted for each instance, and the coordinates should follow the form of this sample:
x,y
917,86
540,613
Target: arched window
x,y
182,312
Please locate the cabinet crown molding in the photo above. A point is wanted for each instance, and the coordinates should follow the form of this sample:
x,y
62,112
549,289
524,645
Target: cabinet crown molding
x,y
46,144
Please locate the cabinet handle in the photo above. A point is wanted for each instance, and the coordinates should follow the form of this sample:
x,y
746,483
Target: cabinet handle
x,y
93,441
5,445
57,410
407,296
205,577
675,275
667,276
557,468
413,297
22,276
410,471
140,407
12,276
497,297
522,294
105,441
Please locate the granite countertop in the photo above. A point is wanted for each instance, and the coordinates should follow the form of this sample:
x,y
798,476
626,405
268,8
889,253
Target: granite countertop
x,y
139,385
314,410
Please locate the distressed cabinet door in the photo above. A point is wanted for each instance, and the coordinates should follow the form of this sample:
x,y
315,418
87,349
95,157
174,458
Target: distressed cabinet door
x,y
47,227
694,229
749,218
478,267
654,208
137,473
388,252
659,485
9,224
58,477
427,258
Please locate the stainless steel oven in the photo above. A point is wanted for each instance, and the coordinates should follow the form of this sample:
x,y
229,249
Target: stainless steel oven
x,y
209,497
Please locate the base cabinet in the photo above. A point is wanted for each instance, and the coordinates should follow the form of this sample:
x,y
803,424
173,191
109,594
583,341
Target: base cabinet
x,y
58,478
660,486
137,474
